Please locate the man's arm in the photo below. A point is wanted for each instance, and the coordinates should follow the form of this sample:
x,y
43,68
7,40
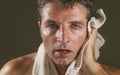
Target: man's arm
x,y
100,69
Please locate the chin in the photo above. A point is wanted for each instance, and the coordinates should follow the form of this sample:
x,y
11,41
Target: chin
x,y
63,61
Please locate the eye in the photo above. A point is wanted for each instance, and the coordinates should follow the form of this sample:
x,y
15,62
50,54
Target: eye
x,y
75,26
53,25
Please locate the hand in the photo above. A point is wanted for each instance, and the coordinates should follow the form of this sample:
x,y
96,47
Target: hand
x,y
95,23
90,66
88,56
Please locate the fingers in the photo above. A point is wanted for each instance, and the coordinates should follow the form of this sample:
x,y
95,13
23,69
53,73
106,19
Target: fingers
x,y
90,50
93,36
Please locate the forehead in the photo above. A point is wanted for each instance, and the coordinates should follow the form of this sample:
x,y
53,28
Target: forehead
x,y
56,11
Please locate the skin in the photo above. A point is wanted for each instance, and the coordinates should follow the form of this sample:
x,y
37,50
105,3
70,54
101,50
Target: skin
x,y
61,31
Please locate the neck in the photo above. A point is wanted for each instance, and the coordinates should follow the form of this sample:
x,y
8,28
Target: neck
x,y
61,69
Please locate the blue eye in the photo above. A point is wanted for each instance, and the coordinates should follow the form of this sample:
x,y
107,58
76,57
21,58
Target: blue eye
x,y
75,26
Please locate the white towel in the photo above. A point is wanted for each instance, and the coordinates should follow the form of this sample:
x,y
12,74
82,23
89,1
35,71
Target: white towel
x,y
43,65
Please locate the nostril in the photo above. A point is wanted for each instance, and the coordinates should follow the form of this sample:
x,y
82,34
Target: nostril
x,y
62,41
67,40
58,40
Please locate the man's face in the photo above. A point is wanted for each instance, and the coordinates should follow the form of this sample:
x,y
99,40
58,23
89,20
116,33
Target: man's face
x,y
63,31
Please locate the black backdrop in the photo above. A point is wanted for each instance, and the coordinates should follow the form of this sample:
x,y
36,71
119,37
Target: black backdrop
x,y
19,34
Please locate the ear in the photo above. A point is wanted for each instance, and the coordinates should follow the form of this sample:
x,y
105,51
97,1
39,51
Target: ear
x,y
39,24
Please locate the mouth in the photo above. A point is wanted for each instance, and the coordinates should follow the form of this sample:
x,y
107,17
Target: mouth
x,y
62,53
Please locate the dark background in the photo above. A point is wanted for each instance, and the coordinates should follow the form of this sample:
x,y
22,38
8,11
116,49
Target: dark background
x,y
19,34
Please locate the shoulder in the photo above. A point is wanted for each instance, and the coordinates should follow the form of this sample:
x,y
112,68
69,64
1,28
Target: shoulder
x,y
19,66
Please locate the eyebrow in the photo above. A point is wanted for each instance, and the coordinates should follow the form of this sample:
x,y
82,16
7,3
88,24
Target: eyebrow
x,y
51,21
77,22
71,22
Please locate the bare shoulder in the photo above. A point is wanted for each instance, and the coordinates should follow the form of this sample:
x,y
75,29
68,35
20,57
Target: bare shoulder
x,y
111,70
19,66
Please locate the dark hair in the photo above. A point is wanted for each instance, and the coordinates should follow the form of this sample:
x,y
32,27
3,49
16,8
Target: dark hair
x,y
87,3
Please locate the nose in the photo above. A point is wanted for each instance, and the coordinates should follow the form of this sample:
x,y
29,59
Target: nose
x,y
62,35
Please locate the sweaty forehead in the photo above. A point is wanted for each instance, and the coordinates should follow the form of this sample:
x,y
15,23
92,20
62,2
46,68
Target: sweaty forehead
x,y
56,12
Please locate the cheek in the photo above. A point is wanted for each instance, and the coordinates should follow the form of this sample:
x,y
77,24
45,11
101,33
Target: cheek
x,y
78,38
47,39
80,35
47,36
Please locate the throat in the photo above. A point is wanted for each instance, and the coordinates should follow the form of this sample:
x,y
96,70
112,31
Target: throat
x,y
61,69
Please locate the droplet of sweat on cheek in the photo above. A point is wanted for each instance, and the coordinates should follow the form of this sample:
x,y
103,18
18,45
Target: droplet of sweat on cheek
x,y
46,31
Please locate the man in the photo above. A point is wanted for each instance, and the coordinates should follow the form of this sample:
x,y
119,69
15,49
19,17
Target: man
x,y
64,31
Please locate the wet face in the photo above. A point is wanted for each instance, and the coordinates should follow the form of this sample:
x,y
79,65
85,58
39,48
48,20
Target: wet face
x,y
63,31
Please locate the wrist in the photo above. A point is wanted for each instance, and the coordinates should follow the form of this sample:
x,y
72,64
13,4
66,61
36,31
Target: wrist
x,y
94,69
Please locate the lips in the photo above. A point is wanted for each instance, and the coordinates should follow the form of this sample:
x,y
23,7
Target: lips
x,y
62,53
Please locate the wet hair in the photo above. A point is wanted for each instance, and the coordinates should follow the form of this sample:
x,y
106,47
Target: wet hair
x,y
89,4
